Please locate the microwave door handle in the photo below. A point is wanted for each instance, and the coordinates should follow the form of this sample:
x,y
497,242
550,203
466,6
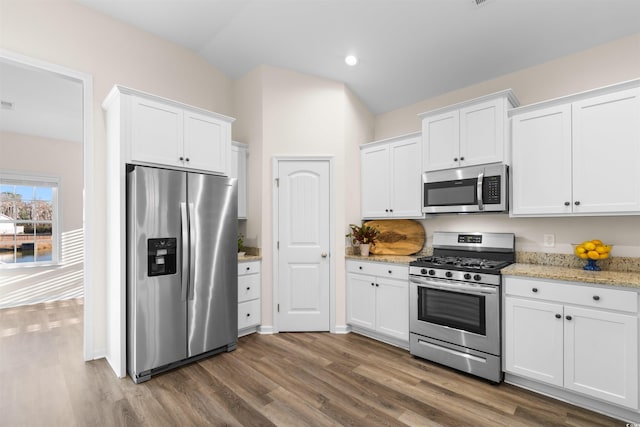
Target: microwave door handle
x,y
479,191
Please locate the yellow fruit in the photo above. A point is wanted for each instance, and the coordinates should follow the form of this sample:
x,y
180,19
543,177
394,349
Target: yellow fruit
x,y
601,249
583,255
604,255
589,246
593,255
580,250
596,242
608,248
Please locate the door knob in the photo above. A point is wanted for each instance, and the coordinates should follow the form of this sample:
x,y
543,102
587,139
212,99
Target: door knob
x,y
323,254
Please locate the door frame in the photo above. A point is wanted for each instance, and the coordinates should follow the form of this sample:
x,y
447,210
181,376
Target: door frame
x,y
275,289
88,214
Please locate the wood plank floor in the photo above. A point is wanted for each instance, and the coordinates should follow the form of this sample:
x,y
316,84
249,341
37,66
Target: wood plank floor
x,y
312,379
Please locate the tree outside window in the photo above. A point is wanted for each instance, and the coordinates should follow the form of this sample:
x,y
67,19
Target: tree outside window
x,y
28,220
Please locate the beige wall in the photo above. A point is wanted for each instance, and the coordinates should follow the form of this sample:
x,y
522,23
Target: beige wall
x,y
26,154
600,66
301,115
66,33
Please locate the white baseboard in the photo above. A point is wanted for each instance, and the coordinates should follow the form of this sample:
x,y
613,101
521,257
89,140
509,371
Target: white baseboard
x,y
342,329
266,330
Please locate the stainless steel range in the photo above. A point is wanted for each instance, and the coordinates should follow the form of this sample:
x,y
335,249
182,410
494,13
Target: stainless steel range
x,y
454,301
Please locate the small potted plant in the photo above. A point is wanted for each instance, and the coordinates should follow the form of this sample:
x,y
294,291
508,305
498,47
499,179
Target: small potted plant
x,y
363,236
240,245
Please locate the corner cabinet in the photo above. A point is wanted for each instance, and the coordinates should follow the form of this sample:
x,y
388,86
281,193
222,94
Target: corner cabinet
x,y
378,300
391,178
239,153
158,131
585,147
575,337
248,297
469,133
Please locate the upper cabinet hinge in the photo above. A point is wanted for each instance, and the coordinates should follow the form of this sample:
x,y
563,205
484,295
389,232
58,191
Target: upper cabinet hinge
x,y
278,308
278,182
278,244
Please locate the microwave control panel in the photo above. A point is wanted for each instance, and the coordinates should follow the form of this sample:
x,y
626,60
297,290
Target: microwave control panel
x,y
491,190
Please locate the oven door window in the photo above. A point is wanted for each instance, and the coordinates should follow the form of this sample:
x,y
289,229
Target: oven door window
x,y
453,309
451,193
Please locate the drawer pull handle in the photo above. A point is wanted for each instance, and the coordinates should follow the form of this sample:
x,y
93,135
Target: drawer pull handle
x,y
558,316
248,314
360,267
248,288
373,284
390,272
569,317
535,289
377,285
596,298
248,268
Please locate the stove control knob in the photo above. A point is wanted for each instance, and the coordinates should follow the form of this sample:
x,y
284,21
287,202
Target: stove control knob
x,y
423,271
477,277
432,272
448,274
467,276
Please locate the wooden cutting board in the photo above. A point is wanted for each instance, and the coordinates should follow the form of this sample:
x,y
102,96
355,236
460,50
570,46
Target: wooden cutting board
x,y
397,237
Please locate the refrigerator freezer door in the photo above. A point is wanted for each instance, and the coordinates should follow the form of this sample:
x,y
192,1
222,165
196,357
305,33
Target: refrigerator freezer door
x,y
157,326
213,296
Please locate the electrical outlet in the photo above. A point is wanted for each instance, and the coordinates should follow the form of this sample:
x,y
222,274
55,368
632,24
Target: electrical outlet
x,y
549,240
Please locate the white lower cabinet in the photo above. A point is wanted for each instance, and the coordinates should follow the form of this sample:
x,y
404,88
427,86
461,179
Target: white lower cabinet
x,y
574,336
378,300
248,297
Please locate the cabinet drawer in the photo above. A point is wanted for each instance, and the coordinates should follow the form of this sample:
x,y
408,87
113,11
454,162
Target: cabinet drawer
x,y
248,314
248,287
395,271
582,294
249,267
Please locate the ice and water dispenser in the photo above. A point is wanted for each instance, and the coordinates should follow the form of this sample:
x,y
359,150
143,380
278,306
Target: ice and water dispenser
x,y
162,256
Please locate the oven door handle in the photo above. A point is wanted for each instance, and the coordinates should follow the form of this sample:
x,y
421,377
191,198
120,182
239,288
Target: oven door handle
x,y
454,286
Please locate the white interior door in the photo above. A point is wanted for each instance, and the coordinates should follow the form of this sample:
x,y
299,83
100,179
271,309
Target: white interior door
x,y
303,245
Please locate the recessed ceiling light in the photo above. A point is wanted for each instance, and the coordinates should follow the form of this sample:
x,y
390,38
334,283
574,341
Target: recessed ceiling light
x,y
351,60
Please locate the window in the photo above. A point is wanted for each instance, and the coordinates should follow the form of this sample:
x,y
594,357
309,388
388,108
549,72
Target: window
x,y
28,220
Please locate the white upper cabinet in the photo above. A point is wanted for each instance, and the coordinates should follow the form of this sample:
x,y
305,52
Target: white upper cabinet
x,y
578,155
158,131
239,152
470,133
390,178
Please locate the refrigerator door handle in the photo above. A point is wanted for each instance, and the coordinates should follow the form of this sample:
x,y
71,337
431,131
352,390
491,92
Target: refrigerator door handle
x,y
192,250
185,251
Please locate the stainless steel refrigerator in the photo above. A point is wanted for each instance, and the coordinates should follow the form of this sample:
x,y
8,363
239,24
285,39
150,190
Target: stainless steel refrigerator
x,y
182,295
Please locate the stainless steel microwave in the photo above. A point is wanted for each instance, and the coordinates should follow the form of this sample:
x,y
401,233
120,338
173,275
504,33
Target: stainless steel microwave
x,y
471,189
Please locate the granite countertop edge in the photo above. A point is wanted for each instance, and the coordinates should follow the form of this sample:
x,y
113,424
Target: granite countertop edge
x,y
393,259
609,278
247,258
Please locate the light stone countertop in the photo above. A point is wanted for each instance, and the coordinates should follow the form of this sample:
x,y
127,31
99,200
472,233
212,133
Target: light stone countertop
x,y
394,259
611,278
247,258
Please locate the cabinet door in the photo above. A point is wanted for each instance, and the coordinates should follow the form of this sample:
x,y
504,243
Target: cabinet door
x,y
156,132
375,179
482,133
441,141
606,151
406,181
361,302
206,143
541,165
601,355
533,340
238,170
392,308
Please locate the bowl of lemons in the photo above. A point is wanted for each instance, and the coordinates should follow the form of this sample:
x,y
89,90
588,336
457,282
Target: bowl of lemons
x,y
592,251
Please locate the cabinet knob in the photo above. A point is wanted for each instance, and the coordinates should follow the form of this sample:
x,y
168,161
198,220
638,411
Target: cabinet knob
x,y
181,158
535,289
248,268
386,210
596,298
373,284
323,254
187,159
567,203
390,210
360,267
248,288
455,159
568,318
577,203
377,285
248,314
558,316
390,271
461,159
